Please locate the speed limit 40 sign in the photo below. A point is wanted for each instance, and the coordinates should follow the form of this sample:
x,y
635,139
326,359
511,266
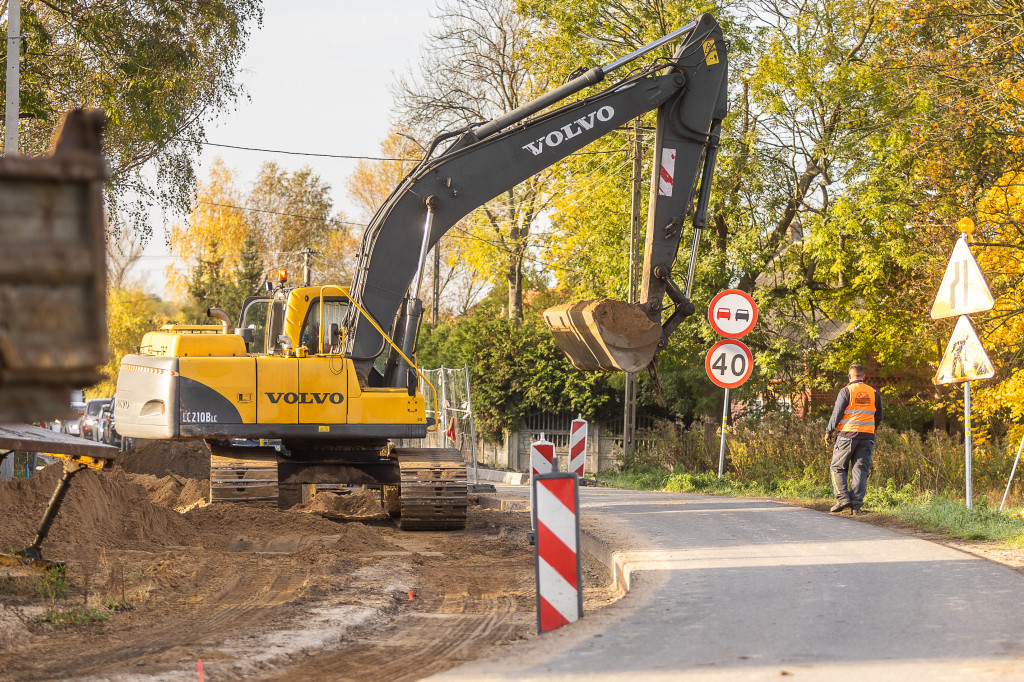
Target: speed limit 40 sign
x,y
729,363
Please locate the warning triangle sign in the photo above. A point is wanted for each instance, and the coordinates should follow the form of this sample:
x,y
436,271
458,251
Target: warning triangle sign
x,y
963,290
964,359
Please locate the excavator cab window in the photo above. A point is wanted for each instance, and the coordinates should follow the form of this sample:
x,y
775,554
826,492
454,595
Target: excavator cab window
x,y
275,325
254,316
335,309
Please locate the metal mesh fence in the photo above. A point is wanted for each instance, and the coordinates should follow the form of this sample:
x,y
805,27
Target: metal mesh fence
x,y
454,415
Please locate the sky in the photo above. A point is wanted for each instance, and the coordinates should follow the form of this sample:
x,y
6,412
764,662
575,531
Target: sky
x,y
317,74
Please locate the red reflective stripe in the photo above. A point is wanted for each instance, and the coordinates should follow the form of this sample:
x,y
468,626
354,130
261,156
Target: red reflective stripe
x,y
666,178
550,618
558,556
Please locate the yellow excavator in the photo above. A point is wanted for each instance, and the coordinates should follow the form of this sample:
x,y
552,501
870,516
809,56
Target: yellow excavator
x,y
331,371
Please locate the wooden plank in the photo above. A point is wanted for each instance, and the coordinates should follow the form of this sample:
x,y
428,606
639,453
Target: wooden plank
x,y
28,438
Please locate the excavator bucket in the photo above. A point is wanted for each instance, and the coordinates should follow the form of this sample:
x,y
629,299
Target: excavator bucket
x,y
604,334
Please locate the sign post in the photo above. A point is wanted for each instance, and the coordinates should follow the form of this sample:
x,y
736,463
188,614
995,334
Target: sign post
x,y
963,291
732,314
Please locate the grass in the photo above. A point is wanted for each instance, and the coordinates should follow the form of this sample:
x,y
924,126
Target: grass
x,y
77,616
924,511
50,586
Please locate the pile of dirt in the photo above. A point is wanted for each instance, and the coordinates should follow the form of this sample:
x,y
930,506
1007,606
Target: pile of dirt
x,y
357,505
179,494
183,458
104,510
256,528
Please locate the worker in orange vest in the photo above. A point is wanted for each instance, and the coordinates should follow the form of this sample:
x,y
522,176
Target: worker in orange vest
x,y
857,414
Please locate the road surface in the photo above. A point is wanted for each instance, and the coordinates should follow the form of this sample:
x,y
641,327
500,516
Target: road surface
x,y
740,589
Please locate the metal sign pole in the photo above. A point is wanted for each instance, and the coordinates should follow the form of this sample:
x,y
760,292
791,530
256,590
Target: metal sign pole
x,y
967,439
1013,471
13,77
725,423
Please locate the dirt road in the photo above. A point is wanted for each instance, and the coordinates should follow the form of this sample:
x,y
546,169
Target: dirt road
x,y
254,592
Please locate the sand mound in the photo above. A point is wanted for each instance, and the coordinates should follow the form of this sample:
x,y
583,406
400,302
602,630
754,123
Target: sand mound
x,y
105,510
361,504
181,495
184,458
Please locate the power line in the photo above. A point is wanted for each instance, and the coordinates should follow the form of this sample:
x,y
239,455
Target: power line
x,y
287,215
346,156
317,154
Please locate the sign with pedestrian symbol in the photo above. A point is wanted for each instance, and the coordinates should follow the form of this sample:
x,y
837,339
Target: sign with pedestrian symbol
x,y
965,359
732,313
729,363
963,290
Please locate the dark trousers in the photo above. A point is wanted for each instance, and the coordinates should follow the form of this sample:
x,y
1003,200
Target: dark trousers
x,y
851,458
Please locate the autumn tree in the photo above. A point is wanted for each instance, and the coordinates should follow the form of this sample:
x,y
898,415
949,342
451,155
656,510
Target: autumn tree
x,y
211,246
235,238
459,284
160,70
1001,256
124,249
478,66
130,314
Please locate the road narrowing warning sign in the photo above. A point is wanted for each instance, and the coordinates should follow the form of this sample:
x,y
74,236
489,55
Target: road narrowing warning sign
x,y
965,358
963,290
729,363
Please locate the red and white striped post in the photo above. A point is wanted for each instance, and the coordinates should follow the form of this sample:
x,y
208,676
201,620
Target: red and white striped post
x,y
559,587
578,446
542,461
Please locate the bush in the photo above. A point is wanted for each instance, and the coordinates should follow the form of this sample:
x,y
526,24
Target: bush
x,y
785,456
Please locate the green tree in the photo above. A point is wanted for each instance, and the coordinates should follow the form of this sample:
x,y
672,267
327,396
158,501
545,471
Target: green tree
x,y
514,368
809,206
160,69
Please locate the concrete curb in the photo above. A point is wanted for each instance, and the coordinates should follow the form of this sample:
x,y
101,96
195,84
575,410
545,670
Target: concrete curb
x,y
507,477
619,563
493,502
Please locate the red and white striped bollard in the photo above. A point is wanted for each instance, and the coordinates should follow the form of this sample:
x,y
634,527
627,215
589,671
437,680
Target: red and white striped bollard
x,y
559,585
542,461
578,446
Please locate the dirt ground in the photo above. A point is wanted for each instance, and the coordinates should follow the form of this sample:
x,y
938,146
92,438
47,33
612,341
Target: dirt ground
x,y
332,590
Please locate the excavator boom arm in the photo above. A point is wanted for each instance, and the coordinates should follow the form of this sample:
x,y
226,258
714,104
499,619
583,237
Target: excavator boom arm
x,y
483,163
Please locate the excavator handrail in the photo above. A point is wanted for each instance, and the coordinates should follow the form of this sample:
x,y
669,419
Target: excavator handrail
x,y
433,389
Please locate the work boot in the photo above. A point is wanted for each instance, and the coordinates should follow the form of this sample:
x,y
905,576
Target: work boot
x,y
840,506
857,511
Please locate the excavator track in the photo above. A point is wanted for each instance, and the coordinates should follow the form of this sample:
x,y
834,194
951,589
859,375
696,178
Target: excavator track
x,y
433,489
242,474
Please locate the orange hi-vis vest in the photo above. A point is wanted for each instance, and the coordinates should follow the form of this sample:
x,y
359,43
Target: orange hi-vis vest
x,y
859,416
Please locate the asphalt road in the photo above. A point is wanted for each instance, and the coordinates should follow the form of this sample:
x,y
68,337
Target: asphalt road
x,y
740,589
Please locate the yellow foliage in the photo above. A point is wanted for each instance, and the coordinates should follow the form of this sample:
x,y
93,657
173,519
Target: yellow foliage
x,y
130,314
214,231
1000,255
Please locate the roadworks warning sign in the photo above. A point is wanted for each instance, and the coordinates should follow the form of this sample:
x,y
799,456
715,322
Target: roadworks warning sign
x,y
963,290
964,359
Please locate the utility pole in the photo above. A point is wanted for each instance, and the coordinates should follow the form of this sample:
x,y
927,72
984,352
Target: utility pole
x,y
629,418
13,77
307,264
